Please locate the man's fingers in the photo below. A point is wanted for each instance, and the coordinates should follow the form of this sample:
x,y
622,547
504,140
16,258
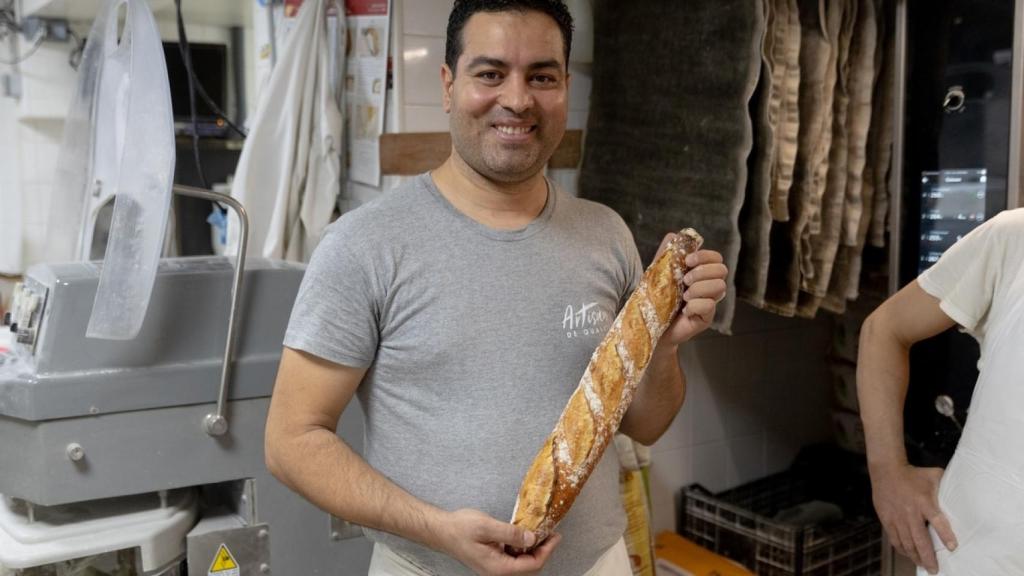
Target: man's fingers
x,y
532,561
703,257
710,289
925,550
907,545
544,550
503,533
941,525
894,539
706,272
703,308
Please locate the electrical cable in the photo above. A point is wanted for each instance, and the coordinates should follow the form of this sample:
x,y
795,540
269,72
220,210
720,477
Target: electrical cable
x,y
186,56
35,46
183,46
75,57
216,109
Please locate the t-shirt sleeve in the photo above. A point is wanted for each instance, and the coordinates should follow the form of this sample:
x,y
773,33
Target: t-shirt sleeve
x,y
966,277
335,316
635,271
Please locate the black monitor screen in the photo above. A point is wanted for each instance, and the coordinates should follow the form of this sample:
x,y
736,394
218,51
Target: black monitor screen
x,y
209,61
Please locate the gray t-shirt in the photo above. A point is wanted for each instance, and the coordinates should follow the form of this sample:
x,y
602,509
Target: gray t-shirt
x,y
475,338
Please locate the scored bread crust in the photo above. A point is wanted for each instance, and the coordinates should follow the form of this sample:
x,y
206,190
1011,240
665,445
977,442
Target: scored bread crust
x,y
595,409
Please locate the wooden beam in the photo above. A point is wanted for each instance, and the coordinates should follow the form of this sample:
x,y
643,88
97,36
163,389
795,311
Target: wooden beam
x,y
412,153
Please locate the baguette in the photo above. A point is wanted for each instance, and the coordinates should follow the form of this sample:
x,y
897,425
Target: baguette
x,y
595,409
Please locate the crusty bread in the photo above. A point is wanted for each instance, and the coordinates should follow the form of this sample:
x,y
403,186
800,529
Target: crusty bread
x,y
595,409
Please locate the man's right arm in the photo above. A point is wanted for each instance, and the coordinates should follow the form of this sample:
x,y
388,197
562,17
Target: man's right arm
x,y
304,452
905,496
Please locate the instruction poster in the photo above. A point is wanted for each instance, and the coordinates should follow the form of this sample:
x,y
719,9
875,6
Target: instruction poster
x,y
366,76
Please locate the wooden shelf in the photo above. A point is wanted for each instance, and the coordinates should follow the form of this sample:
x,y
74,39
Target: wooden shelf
x,y
413,153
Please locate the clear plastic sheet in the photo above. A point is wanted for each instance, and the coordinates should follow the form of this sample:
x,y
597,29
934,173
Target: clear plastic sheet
x,y
120,140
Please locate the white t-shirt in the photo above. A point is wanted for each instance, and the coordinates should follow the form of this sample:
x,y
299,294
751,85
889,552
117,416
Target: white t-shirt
x,y
979,282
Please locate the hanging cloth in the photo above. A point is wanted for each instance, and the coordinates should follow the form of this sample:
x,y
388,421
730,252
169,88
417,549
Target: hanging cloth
x,y
290,171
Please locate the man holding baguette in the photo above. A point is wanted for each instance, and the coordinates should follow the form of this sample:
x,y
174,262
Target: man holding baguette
x,y
462,309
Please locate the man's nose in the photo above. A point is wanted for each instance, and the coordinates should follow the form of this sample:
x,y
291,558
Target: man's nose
x,y
516,95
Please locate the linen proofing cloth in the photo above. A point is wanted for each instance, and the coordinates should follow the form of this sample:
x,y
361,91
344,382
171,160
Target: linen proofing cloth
x,y
820,23
862,81
774,146
843,285
755,219
289,174
788,60
842,203
669,130
821,236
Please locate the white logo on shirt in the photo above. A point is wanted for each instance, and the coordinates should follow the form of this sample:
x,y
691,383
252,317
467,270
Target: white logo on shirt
x,y
586,320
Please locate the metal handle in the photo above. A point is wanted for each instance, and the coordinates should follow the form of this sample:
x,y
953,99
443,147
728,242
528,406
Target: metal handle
x,y
216,424
944,405
954,100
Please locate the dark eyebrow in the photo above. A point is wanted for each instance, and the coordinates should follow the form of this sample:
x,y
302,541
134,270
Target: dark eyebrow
x,y
546,64
486,61
498,63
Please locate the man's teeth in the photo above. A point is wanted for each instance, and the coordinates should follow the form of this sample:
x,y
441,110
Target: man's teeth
x,y
513,130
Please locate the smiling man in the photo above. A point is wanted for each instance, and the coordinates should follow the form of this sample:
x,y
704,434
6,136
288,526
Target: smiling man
x,y
442,306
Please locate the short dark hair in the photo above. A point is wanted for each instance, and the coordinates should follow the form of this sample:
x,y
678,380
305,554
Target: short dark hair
x,y
464,9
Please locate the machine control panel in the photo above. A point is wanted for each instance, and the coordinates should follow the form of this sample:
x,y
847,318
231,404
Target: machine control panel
x,y
26,314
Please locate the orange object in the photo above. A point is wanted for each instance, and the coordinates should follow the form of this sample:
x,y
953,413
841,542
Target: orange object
x,y
676,555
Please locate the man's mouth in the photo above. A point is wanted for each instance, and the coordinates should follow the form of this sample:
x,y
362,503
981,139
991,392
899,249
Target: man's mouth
x,y
507,130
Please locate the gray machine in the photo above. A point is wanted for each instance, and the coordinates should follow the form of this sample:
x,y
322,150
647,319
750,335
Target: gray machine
x,y
143,456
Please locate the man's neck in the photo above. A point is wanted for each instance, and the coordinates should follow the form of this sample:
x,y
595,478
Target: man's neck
x,y
497,205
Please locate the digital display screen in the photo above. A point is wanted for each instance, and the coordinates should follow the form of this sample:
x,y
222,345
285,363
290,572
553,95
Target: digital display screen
x,y
952,204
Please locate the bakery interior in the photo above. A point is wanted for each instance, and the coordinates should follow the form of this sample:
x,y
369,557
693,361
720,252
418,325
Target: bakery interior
x,y
804,139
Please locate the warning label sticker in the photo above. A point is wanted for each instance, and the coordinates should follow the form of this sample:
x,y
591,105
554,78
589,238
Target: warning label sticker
x,y
224,563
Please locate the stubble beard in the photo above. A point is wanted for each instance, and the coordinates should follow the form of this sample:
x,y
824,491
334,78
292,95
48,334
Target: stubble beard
x,y
500,162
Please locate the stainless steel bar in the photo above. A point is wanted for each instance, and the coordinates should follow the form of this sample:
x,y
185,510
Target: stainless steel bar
x,y
1014,185
216,424
898,138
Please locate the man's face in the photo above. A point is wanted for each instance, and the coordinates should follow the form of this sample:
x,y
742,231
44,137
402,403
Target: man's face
x,y
509,98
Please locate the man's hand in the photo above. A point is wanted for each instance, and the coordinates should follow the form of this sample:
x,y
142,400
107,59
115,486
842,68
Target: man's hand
x,y
479,542
906,499
705,288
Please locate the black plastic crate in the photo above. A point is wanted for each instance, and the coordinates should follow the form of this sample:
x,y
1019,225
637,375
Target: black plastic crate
x,y
739,524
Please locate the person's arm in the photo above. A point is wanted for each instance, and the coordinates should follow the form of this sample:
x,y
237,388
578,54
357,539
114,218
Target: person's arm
x,y
304,452
661,392
905,496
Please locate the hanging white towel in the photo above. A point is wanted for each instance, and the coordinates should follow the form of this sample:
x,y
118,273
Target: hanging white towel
x,y
290,171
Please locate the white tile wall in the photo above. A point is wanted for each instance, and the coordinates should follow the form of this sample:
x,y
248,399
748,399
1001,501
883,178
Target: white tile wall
x,y
426,17
421,58
424,118
753,399
10,195
31,129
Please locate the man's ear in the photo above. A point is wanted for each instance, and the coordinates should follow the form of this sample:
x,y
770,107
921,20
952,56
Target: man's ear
x,y
447,82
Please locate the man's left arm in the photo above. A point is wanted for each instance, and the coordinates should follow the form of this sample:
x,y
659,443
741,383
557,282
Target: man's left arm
x,y
661,392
